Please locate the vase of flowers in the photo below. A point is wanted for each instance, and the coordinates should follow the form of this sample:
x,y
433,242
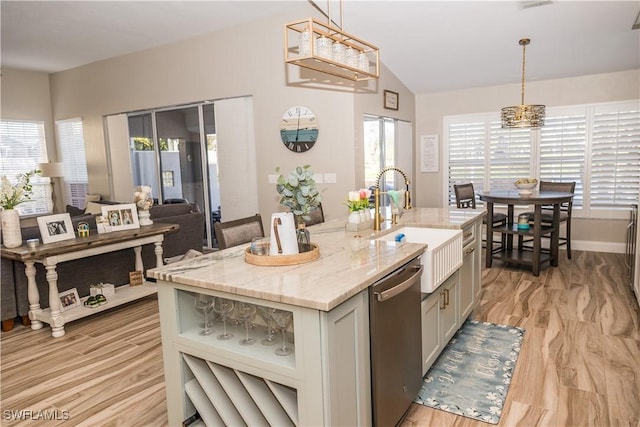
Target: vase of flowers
x,y
11,195
299,193
143,200
358,204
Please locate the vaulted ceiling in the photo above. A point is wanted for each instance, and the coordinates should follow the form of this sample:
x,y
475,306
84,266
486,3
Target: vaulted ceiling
x,y
431,46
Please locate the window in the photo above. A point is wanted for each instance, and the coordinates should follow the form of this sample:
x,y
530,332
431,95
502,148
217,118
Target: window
x,y
598,146
22,147
70,135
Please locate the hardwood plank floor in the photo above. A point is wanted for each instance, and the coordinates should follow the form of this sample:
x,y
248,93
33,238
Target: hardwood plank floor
x,y
579,364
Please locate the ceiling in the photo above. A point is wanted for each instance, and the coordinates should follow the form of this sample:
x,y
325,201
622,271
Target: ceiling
x,y
431,46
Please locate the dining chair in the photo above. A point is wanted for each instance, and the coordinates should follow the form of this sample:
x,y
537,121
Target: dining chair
x,y
565,211
317,216
238,231
466,199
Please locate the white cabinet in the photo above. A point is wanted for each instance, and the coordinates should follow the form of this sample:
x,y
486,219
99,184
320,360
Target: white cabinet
x,y
470,276
440,319
324,381
446,309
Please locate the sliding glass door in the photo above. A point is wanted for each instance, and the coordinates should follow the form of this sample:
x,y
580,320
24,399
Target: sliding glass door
x,y
169,149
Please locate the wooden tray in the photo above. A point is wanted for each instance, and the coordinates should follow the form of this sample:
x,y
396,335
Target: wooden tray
x,y
276,260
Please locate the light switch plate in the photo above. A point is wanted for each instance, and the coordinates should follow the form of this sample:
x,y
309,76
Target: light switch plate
x,y
273,178
330,178
318,178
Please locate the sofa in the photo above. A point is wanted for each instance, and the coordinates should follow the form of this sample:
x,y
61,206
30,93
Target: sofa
x,y
111,267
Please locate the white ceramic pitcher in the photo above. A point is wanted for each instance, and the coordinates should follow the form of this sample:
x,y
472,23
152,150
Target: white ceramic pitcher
x,y
283,234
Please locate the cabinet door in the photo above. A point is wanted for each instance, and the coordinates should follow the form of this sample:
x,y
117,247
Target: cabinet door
x,y
467,283
448,303
431,344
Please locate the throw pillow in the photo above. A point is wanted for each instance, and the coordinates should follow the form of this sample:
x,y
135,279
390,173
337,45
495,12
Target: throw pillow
x,y
73,211
93,208
91,198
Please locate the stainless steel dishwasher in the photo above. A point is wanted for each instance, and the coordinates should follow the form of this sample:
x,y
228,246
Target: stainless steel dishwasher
x,y
396,343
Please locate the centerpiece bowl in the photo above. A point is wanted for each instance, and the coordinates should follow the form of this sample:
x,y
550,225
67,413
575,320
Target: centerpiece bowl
x,y
526,185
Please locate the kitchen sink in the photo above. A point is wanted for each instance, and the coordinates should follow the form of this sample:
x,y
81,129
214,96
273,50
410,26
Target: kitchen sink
x,y
442,257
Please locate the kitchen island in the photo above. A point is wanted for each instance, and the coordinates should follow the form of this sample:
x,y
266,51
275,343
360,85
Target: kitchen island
x,y
325,380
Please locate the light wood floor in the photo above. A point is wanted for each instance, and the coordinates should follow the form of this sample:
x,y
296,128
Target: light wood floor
x,y
579,364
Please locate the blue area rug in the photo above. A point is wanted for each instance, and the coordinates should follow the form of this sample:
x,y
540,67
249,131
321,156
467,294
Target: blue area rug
x,y
471,376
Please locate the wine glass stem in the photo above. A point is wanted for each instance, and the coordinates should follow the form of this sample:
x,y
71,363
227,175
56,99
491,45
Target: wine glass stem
x,y
246,329
284,343
224,325
206,322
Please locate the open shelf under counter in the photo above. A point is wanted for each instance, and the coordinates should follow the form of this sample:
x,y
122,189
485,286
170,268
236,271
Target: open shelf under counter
x,y
513,229
522,257
189,334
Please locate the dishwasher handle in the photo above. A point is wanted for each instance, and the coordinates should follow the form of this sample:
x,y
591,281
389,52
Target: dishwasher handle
x,y
390,293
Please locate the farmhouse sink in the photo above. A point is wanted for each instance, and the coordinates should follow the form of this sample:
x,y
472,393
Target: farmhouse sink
x,y
442,257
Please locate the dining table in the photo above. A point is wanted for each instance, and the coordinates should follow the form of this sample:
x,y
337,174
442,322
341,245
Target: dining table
x,y
533,257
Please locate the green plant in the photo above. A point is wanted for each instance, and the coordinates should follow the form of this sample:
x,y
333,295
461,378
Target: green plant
x,y
12,195
298,190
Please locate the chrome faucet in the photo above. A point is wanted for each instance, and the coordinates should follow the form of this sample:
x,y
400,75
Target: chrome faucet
x,y
378,219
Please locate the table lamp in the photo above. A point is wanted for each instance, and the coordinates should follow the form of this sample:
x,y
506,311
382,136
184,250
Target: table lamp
x,y
51,170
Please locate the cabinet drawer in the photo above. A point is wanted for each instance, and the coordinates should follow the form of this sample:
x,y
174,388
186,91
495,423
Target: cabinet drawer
x,y
468,236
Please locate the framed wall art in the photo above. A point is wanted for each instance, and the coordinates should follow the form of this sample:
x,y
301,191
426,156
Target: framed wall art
x,y
391,100
55,228
121,217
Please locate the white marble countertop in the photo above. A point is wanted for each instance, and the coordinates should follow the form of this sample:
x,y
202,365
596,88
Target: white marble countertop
x,y
349,263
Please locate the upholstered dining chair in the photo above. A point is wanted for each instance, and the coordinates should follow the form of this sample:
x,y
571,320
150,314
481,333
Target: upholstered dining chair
x,y
466,199
565,211
238,231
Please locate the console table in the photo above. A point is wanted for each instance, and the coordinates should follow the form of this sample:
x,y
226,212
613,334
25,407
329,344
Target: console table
x,y
49,255
532,258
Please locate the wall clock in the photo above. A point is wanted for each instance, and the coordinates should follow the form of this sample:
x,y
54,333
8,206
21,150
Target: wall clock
x,y
299,129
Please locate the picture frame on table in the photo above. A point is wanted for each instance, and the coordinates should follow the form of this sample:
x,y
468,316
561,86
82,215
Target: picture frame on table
x,y
391,100
55,228
69,299
121,217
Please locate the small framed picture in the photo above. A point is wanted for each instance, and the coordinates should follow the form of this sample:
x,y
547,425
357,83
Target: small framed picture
x,y
121,217
69,299
55,228
391,100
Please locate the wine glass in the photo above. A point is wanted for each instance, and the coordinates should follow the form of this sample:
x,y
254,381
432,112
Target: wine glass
x,y
265,314
204,305
246,312
283,319
223,307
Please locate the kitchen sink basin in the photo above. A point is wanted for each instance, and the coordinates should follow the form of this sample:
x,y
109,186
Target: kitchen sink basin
x,y
442,257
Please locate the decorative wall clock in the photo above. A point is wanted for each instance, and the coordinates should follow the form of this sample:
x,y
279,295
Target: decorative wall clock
x,y
299,129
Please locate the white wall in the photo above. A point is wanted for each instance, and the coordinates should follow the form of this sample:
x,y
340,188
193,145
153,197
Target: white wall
x,y
431,108
245,60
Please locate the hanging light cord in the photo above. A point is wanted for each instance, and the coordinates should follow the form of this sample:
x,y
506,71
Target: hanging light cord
x,y
524,43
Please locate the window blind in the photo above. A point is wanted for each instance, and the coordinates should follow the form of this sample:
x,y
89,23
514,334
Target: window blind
x,y
597,146
70,135
22,147
615,158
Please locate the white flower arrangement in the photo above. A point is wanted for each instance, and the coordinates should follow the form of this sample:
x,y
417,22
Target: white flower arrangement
x,y
12,195
142,197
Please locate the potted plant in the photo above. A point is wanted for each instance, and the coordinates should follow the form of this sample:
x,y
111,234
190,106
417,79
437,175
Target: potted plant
x,y
11,196
299,193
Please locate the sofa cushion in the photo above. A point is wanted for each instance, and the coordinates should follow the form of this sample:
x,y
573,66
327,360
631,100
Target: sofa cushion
x,y
73,211
162,211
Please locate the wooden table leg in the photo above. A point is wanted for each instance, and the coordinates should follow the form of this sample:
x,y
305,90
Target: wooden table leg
x,y
555,235
489,249
509,224
33,295
158,252
537,231
57,319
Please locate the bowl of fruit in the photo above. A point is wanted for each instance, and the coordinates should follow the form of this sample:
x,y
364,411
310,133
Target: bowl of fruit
x,y
526,185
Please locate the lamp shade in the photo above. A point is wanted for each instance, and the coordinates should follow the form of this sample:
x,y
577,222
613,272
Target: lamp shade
x,y
51,170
